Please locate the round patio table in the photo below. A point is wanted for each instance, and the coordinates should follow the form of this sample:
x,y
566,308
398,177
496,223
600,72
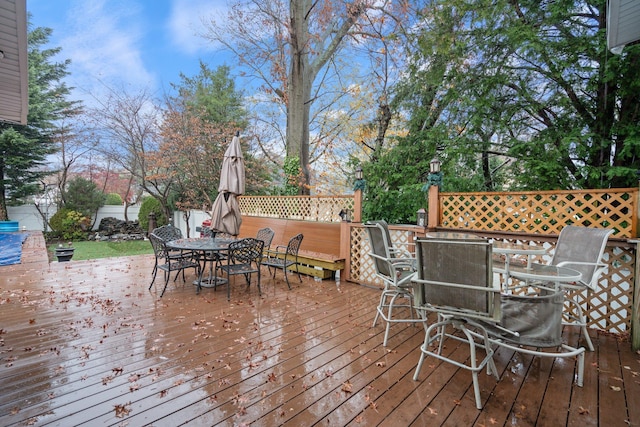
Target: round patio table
x,y
543,273
209,250
505,251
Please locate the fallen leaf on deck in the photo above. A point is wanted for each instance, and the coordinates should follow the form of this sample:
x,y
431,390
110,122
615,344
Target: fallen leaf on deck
x,y
122,410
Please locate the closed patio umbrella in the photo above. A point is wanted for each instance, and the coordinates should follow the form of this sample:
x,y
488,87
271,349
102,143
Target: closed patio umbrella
x,y
225,212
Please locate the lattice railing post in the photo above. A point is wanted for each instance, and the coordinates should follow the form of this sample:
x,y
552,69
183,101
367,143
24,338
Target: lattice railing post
x,y
434,207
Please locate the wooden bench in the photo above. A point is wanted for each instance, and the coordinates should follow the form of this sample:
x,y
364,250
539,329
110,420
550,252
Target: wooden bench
x,y
319,254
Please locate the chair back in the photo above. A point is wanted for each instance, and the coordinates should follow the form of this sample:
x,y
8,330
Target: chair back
x,y
393,251
457,278
167,233
379,241
159,247
246,251
266,235
582,248
532,320
293,247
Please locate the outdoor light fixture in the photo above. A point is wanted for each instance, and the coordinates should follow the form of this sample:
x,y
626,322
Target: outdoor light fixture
x,y
360,182
434,165
1,55
421,218
435,176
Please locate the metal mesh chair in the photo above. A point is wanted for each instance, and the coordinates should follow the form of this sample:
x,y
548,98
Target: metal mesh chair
x,y
167,233
284,257
168,261
244,257
266,235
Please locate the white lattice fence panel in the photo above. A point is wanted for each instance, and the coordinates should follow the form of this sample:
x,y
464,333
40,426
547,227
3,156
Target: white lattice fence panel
x,y
362,269
308,208
541,212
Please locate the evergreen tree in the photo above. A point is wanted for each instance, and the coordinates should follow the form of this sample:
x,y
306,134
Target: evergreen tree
x,y
24,148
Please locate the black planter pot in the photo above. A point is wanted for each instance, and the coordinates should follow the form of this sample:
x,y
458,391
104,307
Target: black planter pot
x,y
64,254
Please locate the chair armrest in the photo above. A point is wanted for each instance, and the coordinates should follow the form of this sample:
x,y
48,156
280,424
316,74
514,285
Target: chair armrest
x,y
396,264
599,269
280,249
569,263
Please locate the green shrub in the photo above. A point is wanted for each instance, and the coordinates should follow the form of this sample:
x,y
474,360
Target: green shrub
x,y
56,222
113,199
69,224
84,196
151,204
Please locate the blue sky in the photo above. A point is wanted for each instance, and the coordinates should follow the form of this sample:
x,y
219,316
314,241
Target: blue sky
x,y
129,43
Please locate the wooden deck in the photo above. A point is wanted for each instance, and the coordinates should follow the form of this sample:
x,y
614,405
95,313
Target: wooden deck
x,y
85,342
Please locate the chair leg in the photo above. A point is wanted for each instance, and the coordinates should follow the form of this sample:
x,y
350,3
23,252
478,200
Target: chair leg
x,y
389,319
580,321
380,307
153,279
259,290
286,278
166,282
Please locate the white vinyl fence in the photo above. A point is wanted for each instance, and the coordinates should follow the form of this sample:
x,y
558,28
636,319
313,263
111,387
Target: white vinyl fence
x,y
30,219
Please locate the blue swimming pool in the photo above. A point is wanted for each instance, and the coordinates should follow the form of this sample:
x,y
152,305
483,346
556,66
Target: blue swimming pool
x,y
11,247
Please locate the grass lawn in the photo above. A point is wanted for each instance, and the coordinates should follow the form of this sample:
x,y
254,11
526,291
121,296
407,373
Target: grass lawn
x,y
94,250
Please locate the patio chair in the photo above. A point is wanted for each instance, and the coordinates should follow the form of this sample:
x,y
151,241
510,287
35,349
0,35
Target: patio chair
x,y
394,252
266,235
455,280
244,257
581,248
167,233
168,261
285,257
396,274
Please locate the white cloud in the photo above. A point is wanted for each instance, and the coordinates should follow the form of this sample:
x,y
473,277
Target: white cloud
x,y
186,23
103,40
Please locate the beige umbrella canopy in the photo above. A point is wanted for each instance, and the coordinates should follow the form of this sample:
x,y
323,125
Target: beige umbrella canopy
x,y
225,212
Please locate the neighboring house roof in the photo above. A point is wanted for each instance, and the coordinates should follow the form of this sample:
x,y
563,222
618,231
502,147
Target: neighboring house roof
x,y
623,23
14,72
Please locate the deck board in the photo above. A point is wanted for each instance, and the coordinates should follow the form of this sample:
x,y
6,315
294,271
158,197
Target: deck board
x,y
85,343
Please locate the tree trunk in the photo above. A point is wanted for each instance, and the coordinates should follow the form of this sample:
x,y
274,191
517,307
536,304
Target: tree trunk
x,y
299,89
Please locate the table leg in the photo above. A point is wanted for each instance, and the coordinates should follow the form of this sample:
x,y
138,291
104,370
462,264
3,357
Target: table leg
x,y
213,280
